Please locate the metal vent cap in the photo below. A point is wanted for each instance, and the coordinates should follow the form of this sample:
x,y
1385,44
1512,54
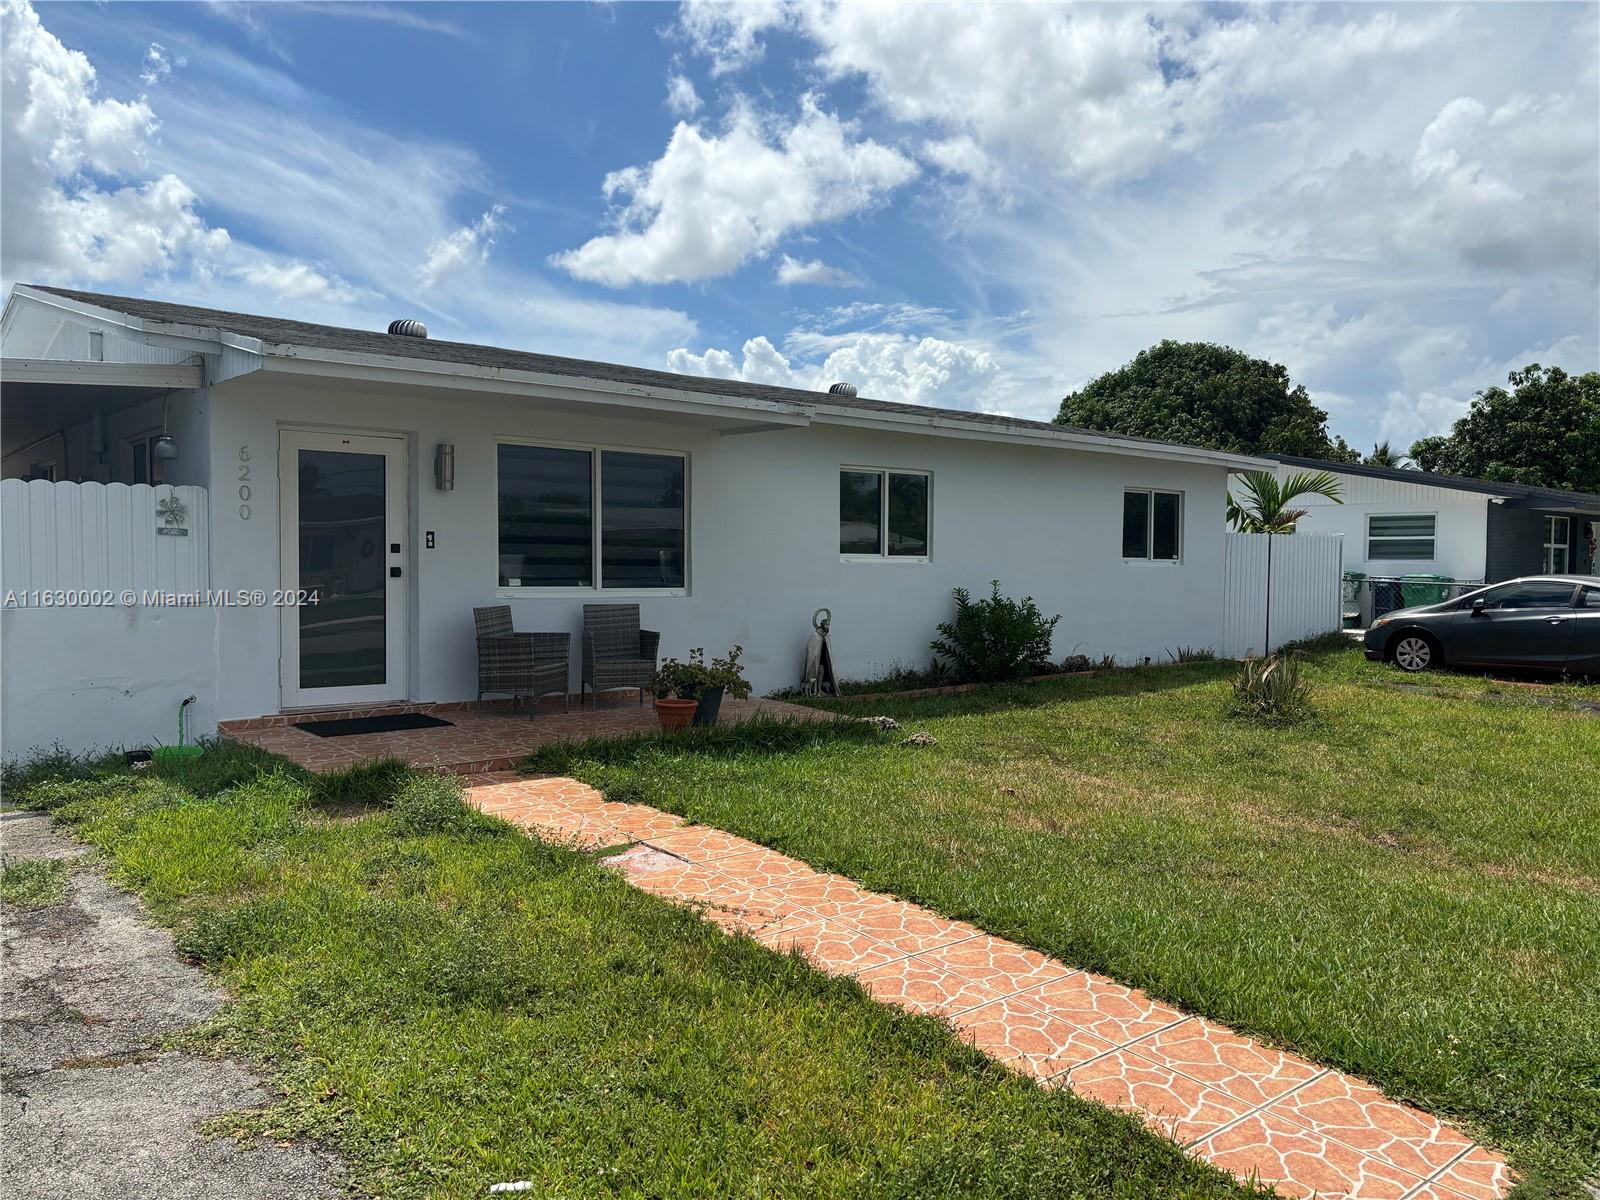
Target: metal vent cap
x,y
408,328
842,389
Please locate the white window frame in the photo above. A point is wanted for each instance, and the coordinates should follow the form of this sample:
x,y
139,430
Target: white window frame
x,y
597,521
1433,538
883,555
1551,544
1150,523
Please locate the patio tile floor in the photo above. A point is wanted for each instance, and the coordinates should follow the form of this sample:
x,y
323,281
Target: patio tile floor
x,y
1229,1100
492,738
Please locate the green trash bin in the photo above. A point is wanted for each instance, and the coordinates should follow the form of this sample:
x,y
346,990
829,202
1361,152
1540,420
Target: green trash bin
x,y
1422,588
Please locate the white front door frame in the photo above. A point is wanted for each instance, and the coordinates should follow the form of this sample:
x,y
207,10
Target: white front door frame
x,y
298,691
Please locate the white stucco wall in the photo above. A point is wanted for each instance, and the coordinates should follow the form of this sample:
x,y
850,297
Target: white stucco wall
x,y
105,678
1460,523
763,539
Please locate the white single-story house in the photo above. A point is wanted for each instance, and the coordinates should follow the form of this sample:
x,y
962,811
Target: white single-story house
x,y
1397,521
408,479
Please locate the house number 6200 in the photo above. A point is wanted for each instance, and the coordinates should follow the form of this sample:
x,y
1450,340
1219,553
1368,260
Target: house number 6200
x,y
244,483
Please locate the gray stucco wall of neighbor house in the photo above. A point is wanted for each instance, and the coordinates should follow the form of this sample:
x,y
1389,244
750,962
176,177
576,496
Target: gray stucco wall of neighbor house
x,y
1514,543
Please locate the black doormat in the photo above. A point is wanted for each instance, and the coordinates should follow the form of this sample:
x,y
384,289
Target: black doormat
x,y
351,725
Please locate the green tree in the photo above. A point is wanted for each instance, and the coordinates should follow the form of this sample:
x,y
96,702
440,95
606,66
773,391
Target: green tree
x,y
1544,431
1264,501
1202,394
1383,455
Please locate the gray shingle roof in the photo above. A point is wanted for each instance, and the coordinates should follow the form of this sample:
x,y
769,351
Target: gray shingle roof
x,y
280,332
1515,491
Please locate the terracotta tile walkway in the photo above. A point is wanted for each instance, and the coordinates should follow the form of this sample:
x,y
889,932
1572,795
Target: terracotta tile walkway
x,y
490,739
1231,1101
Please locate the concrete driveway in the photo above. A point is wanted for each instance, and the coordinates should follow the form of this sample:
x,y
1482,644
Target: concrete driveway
x,y
89,1104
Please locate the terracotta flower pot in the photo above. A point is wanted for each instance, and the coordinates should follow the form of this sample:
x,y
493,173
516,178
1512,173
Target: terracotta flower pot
x,y
675,714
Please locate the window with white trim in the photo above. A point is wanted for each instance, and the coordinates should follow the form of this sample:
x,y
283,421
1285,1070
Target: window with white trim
x,y
1152,524
589,517
1557,535
883,513
1401,536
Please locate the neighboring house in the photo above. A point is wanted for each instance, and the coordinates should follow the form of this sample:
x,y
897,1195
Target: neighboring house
x,y
1397,522
409,479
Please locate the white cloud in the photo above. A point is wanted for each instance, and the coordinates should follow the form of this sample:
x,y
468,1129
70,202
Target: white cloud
x,y
1099,94
465,246
682,99
297,281
709,204
157,66
79,197
730,34
792,271
1511,188
883,366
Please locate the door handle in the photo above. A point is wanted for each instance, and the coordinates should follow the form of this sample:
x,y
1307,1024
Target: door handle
x,y
1555,620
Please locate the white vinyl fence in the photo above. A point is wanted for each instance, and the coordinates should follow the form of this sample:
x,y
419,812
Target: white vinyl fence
x,y
1280,588
105,623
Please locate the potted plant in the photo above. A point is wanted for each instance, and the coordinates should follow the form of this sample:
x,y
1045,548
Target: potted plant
x,y
725,676
677,686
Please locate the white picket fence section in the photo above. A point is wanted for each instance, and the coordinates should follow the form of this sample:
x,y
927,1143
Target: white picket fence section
x,y
100,536
1280,588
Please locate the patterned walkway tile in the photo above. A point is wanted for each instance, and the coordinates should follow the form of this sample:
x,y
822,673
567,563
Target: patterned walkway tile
x,y
1220,1058
1108,1010
1243,1106
834,948
1000,966
909,928
702,844
831,897
1299,1162
1363,1118
1183,1109
1480,1174
916,984
1028,1038
763,868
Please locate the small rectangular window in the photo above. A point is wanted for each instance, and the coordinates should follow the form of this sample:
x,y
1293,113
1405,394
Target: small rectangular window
x,y
641,513
1152,525
1557,532
546,522
1398,537
908,515
883,513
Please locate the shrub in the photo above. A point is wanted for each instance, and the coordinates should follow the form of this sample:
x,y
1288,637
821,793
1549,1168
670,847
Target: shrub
x,y
1271,690
428,803
1192,654
995,638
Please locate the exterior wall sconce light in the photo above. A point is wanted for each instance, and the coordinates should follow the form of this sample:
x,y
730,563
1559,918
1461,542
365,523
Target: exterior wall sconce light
x,y
444,467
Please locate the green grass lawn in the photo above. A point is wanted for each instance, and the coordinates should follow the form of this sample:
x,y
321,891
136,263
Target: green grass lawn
x,y
1407,887
456,1005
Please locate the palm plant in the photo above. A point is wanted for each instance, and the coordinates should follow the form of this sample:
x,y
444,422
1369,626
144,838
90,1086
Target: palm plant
x,y
1263,506
1384,456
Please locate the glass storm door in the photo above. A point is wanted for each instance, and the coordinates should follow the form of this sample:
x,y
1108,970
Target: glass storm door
x,y
344,640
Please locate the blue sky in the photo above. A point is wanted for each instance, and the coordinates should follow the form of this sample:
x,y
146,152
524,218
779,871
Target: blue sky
x,y
974,207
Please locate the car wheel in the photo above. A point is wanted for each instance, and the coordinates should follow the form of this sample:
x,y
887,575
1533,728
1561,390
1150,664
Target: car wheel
x,y
1415,652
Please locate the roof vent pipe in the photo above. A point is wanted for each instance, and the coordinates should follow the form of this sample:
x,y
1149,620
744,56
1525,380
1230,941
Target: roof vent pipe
x,y
408,328
842,389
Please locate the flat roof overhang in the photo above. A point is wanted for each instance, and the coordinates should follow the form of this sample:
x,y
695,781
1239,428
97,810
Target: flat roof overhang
x,y
41,397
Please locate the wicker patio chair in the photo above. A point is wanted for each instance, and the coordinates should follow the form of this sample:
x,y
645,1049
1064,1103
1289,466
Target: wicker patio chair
x,y
520,664
617,654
